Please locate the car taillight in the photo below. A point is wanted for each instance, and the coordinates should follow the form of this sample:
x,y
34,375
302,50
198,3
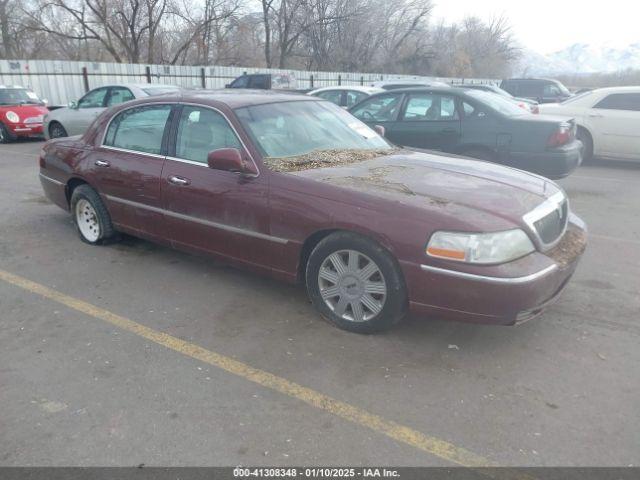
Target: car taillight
x,y
561,136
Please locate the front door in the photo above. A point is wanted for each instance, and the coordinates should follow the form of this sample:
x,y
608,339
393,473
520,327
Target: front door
x,y
127,168
429,120
213,211
380,110
88,108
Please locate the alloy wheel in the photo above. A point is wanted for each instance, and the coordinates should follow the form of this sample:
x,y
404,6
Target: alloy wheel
x,y
352,285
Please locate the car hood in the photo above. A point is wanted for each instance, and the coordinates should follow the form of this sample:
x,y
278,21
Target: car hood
x,y
25,111
431,181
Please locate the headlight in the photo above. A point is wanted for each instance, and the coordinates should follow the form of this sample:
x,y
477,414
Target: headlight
x,y
496,247
12,116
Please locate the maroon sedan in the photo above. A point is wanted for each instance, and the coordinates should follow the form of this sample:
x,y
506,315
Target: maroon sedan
x,y
296,188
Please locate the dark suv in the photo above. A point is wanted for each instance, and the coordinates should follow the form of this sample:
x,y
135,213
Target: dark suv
x,y
542,90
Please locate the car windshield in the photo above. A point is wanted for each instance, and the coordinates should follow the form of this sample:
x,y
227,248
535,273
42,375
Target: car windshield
x,y
295,128
152,91
497,103
18,96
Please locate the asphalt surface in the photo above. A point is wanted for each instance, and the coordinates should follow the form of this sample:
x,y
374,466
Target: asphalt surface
x,y
562,389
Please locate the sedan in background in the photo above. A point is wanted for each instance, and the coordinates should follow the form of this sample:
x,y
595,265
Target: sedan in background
x,y
608,121
21,113
475,124
345,96
296,188
542,90
526,103
74,119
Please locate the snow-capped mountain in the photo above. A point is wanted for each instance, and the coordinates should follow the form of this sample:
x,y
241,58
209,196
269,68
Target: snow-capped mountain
x,y
580,58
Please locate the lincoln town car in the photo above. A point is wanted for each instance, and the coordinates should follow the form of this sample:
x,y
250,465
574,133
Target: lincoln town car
x,y
296,188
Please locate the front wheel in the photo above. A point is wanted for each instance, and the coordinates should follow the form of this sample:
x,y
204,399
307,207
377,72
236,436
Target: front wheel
x,y
355,283
56,130
91,216
5,136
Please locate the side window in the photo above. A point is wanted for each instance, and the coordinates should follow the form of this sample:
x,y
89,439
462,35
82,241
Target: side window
x,y
240,82
354,97
528,89
334,96
140,129
259,82
119,95
469,110
93,99
620,101
430,107
551,90
380,109
200,131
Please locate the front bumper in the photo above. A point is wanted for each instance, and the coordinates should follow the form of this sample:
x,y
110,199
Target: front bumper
x,y
26,129
506,294
554,163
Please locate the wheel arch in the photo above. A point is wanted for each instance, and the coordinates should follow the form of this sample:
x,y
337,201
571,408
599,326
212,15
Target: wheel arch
x,y
584,128
72,184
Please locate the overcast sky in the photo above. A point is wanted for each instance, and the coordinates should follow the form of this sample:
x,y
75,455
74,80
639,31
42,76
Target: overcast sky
x,y
550,25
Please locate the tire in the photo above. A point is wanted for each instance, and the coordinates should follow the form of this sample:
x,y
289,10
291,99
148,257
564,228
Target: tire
x,y
56,130
587,143
480,154
370,293
91,216
5,135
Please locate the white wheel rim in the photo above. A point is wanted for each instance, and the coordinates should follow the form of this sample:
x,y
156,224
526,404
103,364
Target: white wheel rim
x,y
352,286
87,220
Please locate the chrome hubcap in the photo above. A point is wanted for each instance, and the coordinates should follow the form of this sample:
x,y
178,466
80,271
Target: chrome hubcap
x,y
352,285
87,220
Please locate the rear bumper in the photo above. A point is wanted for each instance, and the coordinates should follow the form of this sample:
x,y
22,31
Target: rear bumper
x,y
556,163
524,289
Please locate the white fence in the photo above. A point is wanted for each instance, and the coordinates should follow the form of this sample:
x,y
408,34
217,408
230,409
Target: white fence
x,y
62,81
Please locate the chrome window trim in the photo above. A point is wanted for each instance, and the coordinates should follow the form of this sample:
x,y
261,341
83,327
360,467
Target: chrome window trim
x,y
244,146
220,226
137,152
554,202
52,180
488,279
104,133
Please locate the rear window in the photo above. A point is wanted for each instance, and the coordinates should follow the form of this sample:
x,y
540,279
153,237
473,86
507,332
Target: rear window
x,y
152,91
496,102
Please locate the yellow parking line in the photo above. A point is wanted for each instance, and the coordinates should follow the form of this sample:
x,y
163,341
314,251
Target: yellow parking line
x,y
426,443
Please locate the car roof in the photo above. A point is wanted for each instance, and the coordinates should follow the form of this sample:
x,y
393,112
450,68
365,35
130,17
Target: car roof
x,y
624,89
234,98
357,88
419,89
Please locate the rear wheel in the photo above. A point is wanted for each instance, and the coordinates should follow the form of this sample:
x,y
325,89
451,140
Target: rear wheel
x,y
355,283
91,216
56,130
5,135
587,143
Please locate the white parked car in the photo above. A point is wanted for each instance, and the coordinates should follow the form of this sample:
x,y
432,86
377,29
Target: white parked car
x,y
608,121
345,96
76,118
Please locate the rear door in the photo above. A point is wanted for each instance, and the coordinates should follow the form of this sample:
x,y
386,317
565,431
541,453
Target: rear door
x,y
127,166
617,116
428,120
89,107
213,211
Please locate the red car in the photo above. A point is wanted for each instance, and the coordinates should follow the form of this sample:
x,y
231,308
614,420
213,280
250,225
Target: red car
x,y
295,187
21,113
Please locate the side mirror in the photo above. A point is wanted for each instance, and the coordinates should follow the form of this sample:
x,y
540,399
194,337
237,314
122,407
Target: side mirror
x,y
230,160
72,104
379,129
45,101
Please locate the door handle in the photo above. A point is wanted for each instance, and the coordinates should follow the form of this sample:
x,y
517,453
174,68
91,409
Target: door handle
x,y
179,180
102,163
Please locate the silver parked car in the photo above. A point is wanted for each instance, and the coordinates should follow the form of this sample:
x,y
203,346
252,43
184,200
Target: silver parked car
x,y
346,96
74,119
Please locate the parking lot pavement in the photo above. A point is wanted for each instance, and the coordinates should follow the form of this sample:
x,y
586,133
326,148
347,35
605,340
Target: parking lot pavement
x,y
79,389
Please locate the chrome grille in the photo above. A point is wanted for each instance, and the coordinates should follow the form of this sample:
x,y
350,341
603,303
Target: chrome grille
x,y
549,220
